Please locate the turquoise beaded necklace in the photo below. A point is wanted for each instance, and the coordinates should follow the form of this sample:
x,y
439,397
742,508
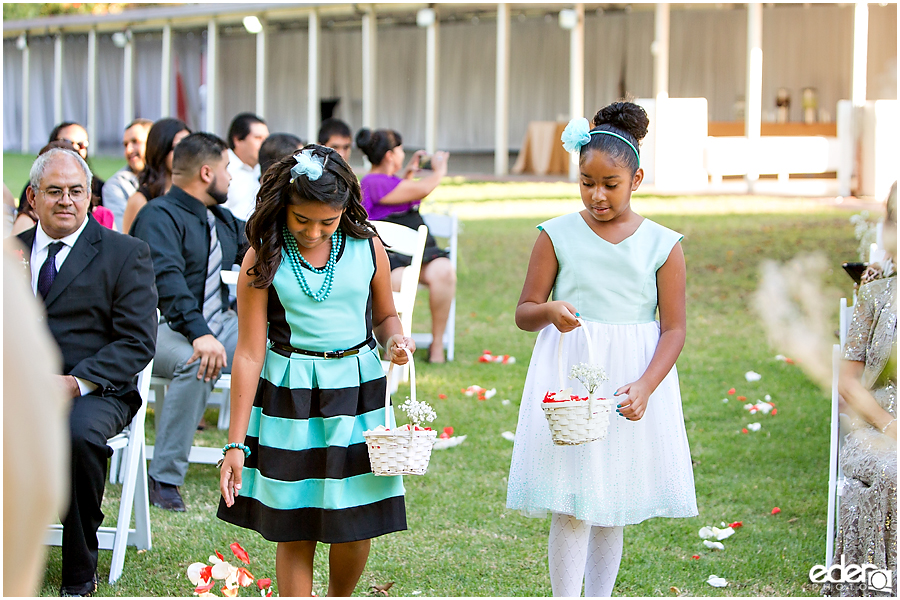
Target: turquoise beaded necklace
x,y
295,258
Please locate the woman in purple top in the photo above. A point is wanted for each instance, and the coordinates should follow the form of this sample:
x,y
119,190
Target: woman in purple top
x,y
389,197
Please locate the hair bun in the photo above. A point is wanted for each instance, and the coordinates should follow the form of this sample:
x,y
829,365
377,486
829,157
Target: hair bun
x,y
363,137
625,116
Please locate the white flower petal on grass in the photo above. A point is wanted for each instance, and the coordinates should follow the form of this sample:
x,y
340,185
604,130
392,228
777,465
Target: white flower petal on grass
x,y
505,402
221,570
754,426
706,533
722,534
752,376
780,357
724,400
490,393
768,398
714,545
456,440
508,435
213,559
716,581
193,572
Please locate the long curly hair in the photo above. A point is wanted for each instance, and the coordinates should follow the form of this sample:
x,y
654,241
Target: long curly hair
x,y
337,187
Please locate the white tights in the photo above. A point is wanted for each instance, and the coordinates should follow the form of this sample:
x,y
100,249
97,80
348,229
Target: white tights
x,y
579,552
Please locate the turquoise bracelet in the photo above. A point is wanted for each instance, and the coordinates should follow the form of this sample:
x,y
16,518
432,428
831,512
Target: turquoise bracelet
x,y
236,445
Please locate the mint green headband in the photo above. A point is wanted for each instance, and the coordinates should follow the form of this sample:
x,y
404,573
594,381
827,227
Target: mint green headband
x,y
616,135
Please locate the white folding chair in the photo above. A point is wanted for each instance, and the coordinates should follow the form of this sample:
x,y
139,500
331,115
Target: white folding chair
x,y
135,497
410,242
835,474
447,227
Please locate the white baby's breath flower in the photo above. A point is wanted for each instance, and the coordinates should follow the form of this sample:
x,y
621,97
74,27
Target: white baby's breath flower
x,y
418,412
591,376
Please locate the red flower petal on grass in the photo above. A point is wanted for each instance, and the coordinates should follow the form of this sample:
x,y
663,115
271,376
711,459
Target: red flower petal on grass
x,y
789,361
245,577
205,587
696,557
448,430
774,411
219,554
776,510
744,430
230,592
442,396
742,398
731,391
206,573
264,583
240,553
736,524
269,594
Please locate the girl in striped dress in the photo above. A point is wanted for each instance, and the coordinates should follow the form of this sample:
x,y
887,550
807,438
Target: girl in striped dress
x,y
314,294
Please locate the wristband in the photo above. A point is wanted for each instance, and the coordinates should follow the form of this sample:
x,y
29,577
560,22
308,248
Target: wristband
x,y
883,429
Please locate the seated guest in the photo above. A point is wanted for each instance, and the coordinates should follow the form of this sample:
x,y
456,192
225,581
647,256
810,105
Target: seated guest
x,y
192,238
124,182
336,134
245,135
156,178
98,293
276,147
26,218
388,197
868,385
75,134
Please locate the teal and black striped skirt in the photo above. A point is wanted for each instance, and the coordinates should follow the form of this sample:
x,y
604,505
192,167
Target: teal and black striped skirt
x,y
308,475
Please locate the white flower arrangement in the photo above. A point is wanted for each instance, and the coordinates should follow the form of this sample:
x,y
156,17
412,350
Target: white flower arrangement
x,y
591,376
418,412
865,231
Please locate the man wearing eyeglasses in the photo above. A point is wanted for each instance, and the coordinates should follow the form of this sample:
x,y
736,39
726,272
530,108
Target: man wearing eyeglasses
x,y
99,292
75,134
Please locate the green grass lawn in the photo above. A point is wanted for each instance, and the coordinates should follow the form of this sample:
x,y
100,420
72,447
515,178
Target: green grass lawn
x,y
461,539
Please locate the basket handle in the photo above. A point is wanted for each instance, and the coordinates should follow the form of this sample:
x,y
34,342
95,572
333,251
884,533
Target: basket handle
x,y
559,360
387,388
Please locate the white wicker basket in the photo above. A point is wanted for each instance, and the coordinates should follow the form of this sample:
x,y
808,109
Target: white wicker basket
x,y
399,452
576,422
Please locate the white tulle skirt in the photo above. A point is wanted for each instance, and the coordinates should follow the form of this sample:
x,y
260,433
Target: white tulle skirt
x,y
641,470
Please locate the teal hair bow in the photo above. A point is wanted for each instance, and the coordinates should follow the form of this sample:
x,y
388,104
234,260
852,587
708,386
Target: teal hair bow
x,y
307,164
576,134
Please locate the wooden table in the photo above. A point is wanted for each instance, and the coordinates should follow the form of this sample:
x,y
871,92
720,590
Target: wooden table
x,y
542,151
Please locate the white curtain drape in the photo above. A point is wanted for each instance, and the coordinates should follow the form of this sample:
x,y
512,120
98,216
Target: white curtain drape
x,y
803,46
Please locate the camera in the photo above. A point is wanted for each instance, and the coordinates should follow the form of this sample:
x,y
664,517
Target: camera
x,y
425,162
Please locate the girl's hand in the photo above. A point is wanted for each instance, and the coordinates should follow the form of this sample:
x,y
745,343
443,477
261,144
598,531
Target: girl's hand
x,y
562,316
633,406
230,477
396,345
413,165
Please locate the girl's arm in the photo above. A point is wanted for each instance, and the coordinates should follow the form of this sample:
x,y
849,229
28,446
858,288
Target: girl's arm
x,y
249,356
670,284
410,190
861,400
385,322
533,312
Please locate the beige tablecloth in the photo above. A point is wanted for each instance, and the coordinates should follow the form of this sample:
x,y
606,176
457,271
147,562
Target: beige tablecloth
x,y
542,151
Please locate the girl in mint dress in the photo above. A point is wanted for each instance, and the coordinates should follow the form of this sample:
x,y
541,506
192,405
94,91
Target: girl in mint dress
x,y
314,294
614,270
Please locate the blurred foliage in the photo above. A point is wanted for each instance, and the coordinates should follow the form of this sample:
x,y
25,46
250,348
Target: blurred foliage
x,y
28,10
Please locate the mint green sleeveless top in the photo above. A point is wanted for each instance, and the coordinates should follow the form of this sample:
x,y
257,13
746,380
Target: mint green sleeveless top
x,y
609,283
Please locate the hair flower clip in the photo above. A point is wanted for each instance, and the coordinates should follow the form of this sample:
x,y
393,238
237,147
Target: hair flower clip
x,y
576,134
307,164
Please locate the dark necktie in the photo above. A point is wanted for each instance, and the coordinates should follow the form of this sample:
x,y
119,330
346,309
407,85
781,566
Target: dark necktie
x,y
48,270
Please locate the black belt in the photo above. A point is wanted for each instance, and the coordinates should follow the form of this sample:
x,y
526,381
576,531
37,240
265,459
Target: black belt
x,y
328,353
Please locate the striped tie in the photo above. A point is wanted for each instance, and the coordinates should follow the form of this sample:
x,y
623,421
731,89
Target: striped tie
x,y
212,301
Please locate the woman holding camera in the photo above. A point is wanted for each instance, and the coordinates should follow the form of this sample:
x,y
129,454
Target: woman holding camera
x,y
388,196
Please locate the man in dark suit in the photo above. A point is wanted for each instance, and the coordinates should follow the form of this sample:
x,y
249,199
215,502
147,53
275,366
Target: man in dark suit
x,y
100,296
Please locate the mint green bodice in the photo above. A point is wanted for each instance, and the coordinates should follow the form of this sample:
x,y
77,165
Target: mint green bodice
x,y
609,283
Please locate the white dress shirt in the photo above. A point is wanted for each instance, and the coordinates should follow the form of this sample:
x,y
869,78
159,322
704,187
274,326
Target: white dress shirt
x,y
39,251
243,187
